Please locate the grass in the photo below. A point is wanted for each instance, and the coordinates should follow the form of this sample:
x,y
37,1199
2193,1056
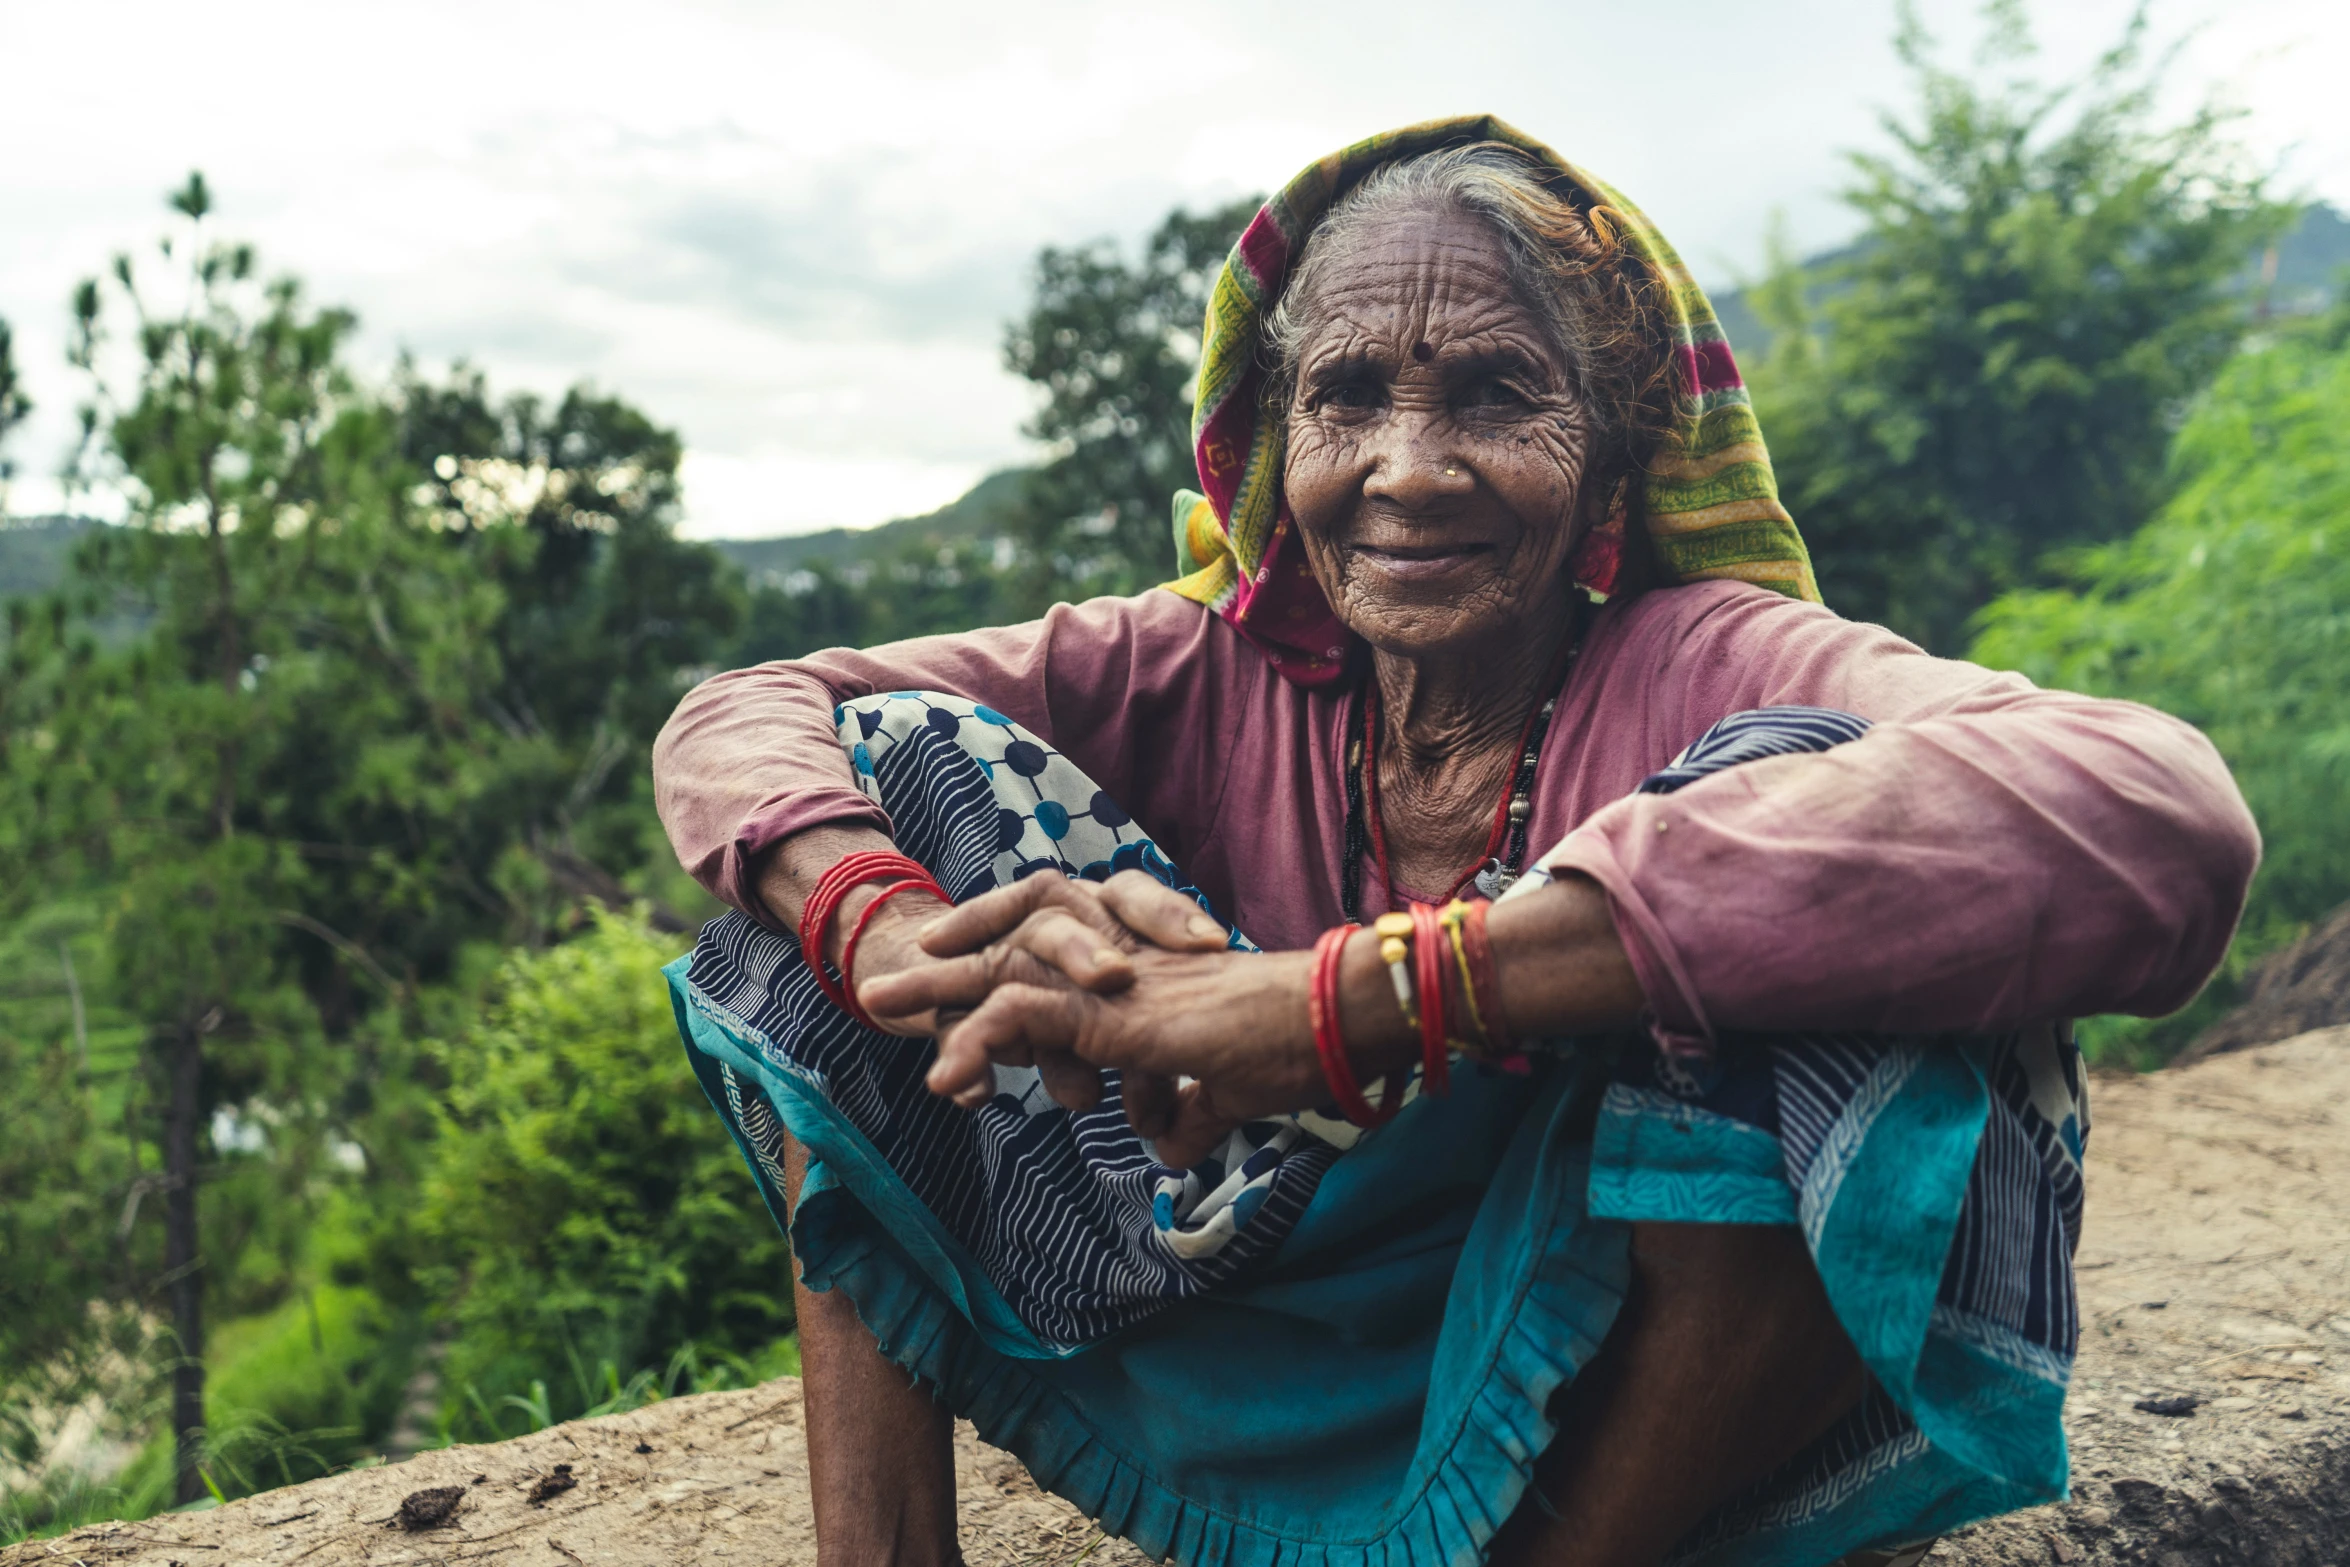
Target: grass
x,y
292,1394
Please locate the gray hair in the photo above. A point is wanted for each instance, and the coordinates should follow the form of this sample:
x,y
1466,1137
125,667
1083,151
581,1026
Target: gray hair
x,y
1555,255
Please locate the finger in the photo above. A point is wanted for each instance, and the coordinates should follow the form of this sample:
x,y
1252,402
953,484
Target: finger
x,y
1160,915
1013,1017
994,915
1073,1084
1150,1103
1197,1130
953,982
1075,948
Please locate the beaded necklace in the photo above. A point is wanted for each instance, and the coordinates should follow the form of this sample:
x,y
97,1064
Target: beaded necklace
x,y
1504,859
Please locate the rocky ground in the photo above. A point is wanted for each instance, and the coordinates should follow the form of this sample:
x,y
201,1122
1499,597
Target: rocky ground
x,y
2215,1281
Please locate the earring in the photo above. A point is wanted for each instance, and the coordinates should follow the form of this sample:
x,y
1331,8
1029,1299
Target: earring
x,y
1599,554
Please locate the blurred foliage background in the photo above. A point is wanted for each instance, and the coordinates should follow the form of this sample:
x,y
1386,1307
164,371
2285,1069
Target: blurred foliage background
x,y
341,1111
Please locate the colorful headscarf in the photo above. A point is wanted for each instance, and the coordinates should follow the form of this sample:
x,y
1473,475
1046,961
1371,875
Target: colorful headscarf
x,y
1708,499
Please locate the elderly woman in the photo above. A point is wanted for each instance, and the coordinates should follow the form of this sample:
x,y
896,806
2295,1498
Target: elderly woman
x,y
1684,1165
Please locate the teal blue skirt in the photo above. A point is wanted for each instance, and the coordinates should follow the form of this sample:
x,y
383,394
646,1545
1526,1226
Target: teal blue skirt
x,y
1359,1368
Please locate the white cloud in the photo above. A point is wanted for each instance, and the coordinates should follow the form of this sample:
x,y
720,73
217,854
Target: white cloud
x,y
785,491
794,231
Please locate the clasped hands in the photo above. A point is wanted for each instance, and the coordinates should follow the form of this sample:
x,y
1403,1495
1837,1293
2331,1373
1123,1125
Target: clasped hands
x,y
1076,977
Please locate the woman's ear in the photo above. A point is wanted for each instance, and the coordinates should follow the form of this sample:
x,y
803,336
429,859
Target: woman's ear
x,y
1597,562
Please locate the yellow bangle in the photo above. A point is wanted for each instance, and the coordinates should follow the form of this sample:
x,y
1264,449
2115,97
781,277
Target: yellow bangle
x,y
1451,918
1395,950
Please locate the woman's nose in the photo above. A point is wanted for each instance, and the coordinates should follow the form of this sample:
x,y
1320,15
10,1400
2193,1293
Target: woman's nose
x,y
1415,464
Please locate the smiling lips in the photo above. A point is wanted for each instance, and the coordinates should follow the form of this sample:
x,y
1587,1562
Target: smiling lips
x,y
1417,562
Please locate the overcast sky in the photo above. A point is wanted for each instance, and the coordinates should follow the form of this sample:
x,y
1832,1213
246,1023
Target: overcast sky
x,y
794,232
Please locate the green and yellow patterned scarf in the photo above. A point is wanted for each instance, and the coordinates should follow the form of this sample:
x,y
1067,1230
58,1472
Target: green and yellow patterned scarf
x,y
1708,500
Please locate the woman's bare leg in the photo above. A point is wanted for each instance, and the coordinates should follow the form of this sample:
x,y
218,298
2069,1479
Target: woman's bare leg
x,y
1726,1362
881,1457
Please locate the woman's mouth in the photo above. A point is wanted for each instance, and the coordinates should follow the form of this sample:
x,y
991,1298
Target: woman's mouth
x,y
1419,562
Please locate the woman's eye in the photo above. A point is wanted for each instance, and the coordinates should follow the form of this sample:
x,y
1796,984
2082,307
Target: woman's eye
x,y
1350,394
1491,392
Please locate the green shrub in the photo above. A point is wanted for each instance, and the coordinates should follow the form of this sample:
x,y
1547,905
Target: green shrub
x,y
584,1213
2232,610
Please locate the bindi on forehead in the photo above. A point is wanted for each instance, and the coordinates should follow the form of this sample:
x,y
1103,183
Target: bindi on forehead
x,y
1422,352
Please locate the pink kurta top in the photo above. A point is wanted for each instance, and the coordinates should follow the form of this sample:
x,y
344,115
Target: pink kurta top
x,y
1989,854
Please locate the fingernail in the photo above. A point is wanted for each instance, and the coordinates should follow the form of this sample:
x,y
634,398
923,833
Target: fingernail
x,y
1200,925
1103,957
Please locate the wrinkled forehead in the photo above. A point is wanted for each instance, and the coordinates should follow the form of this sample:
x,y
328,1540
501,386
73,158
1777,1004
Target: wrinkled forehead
x,y
1438,276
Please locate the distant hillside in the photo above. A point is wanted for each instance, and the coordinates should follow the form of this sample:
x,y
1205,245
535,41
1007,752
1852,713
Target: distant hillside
x,y
2310,262
34,552
985,511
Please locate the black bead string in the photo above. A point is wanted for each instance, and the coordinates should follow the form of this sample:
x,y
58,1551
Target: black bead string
x,y
1358,833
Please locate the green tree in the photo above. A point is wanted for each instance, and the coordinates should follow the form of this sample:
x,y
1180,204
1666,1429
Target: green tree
x,y
14,406
2044,276
2232,610
1115,345
401,656
570,509
64,1321
183,773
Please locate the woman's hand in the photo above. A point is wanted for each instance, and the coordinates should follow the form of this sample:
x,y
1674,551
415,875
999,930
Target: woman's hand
x,y
1075,979
1046,932
1082,927
1234,1023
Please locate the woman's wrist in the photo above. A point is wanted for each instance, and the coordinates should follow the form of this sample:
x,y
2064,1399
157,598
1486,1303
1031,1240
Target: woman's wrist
x,y
1380,1040
785,874
868,902
892,937
1559,967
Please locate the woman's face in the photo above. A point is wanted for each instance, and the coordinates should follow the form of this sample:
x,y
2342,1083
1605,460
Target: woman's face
x,y
1435,450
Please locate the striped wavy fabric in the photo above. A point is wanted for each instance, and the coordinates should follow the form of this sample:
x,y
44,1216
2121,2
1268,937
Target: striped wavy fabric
x,y
1710,503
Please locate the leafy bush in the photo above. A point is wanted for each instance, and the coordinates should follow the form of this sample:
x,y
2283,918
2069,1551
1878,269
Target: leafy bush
x,y
2043,274
584,1211
2232,610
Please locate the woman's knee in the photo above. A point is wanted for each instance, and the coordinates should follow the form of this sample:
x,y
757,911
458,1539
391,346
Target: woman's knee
x,y
1704,1262
1745,1294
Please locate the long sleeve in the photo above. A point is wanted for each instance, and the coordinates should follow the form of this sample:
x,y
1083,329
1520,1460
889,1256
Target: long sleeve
x,y
1140,693
1988,854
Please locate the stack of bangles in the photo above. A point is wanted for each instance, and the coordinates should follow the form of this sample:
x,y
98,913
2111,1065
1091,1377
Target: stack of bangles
x,y
1441,963
898,873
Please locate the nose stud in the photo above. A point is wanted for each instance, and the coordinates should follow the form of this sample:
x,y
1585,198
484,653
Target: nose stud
x,y
1452,473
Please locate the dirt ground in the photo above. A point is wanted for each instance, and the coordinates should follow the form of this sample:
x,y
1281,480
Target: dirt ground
x,y
2216,1268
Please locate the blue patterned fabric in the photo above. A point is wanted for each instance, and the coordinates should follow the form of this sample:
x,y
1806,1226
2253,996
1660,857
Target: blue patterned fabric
x,y
1364,1346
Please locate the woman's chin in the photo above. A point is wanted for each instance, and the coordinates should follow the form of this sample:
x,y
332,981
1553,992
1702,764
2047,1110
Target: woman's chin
x,y
1434,631
1417,617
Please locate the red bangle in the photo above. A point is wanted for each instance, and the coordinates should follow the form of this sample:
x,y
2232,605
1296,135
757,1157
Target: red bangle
x,y
1330,1040
848,948
1485,980
823,905
1428,954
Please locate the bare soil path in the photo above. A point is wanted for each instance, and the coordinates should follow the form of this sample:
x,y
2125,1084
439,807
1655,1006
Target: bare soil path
x,y
2216,1269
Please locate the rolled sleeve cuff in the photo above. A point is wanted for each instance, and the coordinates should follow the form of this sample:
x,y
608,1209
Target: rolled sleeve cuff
x,y
736,885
